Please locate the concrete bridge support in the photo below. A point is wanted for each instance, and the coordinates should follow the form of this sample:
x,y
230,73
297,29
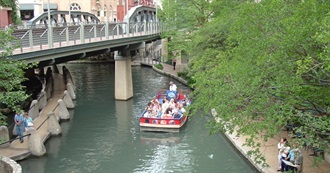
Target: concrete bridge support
x,y
123,76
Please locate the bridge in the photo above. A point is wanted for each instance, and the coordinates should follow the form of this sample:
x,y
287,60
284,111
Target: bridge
x,y
55,41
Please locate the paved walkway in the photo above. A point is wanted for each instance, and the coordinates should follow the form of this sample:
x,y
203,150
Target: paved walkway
x,y
19,151
269,148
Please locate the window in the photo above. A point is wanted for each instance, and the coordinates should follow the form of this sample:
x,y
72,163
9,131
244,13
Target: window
x,y
75,7
98,13
26,14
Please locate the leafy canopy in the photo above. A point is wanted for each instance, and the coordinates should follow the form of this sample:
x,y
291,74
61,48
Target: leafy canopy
x,y
260,65
12,93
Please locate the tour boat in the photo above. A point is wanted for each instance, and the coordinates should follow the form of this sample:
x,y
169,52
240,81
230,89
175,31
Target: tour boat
x,y
155,124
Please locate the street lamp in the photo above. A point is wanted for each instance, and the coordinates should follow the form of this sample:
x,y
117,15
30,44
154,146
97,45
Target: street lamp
x,y
50,34
111,13
69,12
105,11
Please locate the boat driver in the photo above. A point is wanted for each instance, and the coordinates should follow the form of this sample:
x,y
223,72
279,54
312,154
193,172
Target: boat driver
x,y
172,86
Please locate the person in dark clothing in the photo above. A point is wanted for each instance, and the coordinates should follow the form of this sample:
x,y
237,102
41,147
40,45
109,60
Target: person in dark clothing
x,y
174,63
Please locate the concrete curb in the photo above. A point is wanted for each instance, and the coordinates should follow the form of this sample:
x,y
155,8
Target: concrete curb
x,y
170,75
258,167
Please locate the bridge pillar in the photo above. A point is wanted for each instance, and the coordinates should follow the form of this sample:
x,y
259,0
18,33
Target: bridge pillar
x,y
123,76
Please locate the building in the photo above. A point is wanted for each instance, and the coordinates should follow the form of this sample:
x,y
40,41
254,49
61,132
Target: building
x,y
5,16
105,10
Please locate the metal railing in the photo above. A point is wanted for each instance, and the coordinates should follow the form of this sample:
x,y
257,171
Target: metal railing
x,y
34,37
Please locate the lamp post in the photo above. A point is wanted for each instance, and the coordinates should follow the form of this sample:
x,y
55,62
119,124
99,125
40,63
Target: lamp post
x,y
69,12
111,13
50,33
105,14
126,3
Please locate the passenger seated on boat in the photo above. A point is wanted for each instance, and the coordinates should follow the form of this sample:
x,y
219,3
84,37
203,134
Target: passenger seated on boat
x,y
167,113
171,104
160,112
176,114
154,114
181,108
155,100
165,98
185,102
148,113
164,105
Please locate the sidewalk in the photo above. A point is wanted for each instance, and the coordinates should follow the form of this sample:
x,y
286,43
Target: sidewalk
x,y
20,151
268,149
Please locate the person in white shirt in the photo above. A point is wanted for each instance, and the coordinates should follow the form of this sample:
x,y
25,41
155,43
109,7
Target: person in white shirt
x,y
172,86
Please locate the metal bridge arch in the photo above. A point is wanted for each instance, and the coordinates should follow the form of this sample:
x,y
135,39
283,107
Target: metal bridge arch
x,y
58,18
141,14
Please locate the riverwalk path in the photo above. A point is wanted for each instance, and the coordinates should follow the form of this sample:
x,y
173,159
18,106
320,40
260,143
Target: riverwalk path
x,y
19,151
268,149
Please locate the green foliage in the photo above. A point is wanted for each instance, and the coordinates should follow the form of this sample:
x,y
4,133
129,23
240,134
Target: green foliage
x,y
259,65
159,66
12,93
184,74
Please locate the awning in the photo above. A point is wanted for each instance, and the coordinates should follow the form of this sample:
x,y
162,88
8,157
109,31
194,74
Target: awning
x,y
26,6
51,6
31,6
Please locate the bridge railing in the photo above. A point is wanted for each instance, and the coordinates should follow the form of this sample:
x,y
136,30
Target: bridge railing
x,y
35,38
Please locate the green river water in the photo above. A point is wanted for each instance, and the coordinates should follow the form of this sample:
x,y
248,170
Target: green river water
x,y
103,135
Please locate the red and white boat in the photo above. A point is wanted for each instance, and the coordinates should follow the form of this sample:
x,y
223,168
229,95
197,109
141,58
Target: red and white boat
x,y
158,124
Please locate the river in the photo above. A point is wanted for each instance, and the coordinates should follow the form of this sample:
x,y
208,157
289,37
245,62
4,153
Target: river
x,y
103,134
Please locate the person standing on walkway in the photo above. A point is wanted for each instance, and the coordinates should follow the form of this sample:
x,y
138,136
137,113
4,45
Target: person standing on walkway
x,y
28,122
19,122
174,63
280,146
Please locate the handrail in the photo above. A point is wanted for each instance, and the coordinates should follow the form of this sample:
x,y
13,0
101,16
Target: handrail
x,y
91,29
76,30
25,34
102,28
44,33
63,31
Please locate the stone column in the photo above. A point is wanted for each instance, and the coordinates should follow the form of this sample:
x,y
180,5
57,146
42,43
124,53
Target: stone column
x,y
68,100
4,136
34,109
36,144
164,50
54,127
123,76
62,110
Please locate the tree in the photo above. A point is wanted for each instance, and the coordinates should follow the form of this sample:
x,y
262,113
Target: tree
x,y
262,65
12,93
180,23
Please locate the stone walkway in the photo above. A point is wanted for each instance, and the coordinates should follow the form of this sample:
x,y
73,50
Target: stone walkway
x,y
268,149
19,151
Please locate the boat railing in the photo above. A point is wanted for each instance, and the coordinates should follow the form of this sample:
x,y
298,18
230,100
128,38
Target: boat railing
x,y
161,93
162,121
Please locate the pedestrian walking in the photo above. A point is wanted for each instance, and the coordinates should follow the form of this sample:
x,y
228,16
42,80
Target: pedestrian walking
x,y
174,63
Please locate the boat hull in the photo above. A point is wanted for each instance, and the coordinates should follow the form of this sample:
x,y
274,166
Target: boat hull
x,y
162,125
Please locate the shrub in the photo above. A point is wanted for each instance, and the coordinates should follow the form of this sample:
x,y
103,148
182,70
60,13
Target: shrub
x,y
159,66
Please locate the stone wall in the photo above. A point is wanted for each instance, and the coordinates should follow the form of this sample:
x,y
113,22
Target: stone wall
x,y
8,165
